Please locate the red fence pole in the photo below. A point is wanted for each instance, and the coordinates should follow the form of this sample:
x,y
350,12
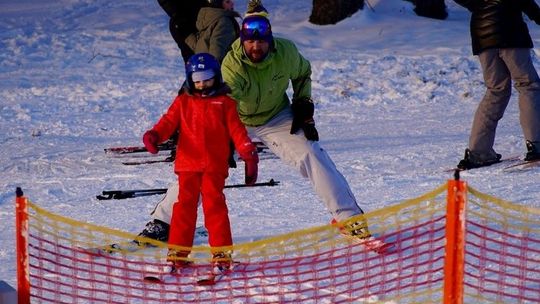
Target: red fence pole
x,y
455,241
21,224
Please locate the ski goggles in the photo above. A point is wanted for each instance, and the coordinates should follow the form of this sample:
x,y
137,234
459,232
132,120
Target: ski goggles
x,y
256,28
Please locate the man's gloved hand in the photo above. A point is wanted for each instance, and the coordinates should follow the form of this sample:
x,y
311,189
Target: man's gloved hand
x,y
303,110
151,141
251,168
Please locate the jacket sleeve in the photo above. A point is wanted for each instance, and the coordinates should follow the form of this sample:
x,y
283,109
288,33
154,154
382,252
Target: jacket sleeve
x,y
300,74
170,121
531,9
238,131
232,76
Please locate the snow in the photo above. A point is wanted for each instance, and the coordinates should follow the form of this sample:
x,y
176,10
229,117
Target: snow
x,y
395,94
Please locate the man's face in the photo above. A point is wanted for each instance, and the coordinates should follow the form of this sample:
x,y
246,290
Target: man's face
x,y
205,84
256,50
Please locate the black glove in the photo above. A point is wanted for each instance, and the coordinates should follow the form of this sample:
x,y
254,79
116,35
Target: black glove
x,y
231,160
303,110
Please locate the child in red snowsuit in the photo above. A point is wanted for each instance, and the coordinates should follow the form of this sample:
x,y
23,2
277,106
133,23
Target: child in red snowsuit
x,y
207,120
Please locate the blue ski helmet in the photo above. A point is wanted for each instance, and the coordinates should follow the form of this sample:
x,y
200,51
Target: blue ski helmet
x,y
204,66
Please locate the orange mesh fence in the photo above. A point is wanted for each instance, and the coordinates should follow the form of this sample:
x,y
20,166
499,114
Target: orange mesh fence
x,y
65,262
316,265
502,251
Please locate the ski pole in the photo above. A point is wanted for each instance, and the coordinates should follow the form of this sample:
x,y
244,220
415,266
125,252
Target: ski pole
x,y
123,194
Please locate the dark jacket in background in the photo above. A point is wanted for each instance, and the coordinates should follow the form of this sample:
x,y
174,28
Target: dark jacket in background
x,y
217,29
183,16
499,23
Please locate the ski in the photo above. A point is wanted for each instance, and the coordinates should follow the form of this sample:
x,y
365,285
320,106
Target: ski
x,y
523,164
215,275
123,194
147,162
168,145
369,242
503,161
373,244
160,276
262,155
376,245
168,272
131,246
134,149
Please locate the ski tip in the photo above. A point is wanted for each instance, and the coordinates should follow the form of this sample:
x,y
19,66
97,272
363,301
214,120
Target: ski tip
x,y
94,253
377,245
206,282
453,170
388,248
152,279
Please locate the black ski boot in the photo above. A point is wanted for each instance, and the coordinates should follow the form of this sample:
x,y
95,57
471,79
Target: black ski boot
x,y
533,150
471,160
156,230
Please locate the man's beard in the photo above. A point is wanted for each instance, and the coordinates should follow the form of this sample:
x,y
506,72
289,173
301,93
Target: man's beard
x,y
257,56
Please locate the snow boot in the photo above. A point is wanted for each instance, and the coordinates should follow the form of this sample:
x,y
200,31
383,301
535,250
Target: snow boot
x,y
473,160
156,230
359,233
533,150
222,261
178,260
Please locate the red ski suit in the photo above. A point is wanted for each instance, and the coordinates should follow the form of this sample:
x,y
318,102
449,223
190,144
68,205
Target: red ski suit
x,y
206,126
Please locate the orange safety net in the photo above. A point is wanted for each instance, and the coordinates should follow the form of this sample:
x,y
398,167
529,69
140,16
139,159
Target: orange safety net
x,y
316,265
502,251
68,263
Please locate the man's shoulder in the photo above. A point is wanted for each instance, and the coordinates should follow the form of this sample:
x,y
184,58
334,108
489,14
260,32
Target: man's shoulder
x,y
233,55
284,43
284,40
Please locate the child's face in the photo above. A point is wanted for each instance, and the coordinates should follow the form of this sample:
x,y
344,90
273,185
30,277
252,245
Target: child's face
x,y
205,84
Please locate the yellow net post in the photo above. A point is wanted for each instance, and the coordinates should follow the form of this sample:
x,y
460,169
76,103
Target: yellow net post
x,y
455,241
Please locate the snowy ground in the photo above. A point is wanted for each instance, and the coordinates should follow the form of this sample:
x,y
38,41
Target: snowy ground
x,y
395,97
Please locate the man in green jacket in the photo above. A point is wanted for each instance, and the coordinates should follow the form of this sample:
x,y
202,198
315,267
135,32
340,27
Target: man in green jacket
x,y
258,69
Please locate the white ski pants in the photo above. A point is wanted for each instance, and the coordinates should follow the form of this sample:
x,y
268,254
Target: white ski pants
x,y
308,157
